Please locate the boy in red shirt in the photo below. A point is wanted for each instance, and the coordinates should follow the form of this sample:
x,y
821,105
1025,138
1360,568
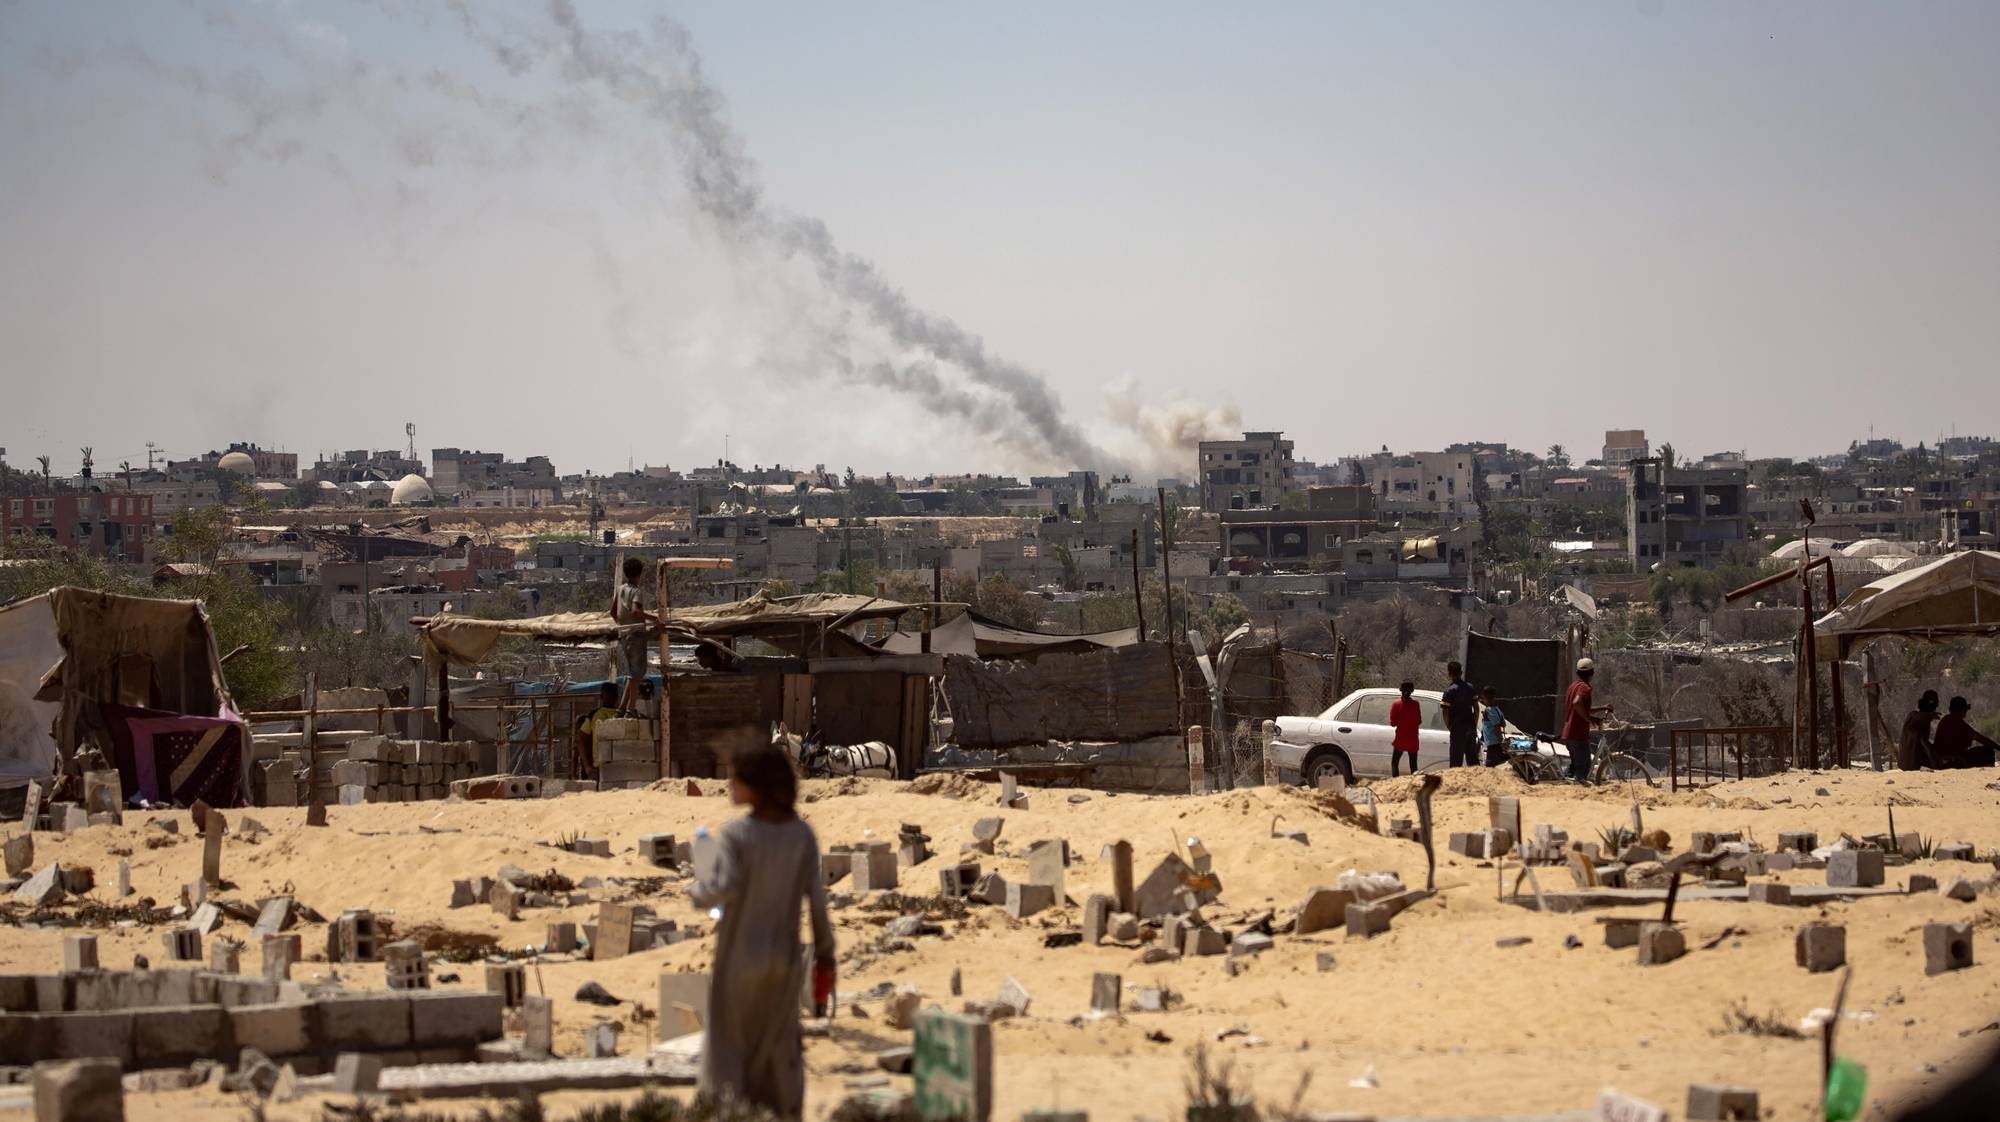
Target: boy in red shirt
x,y
1406,718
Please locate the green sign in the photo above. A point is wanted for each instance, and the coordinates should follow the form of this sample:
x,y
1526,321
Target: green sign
x,y
953,1063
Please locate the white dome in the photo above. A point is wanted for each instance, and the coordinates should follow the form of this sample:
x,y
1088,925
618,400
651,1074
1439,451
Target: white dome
x,y
328,485
1876,547
411,488
238,462
1791,550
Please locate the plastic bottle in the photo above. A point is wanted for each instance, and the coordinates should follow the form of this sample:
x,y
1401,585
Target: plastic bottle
x,y
1846,1087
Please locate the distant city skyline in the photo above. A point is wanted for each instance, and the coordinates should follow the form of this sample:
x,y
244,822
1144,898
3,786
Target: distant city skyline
x,y
1738,227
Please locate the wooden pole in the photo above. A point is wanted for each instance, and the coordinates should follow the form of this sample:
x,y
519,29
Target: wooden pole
x,y
444,700
1138,598
1871,691
1167,606
309,734
1809,649
666,598
1840,737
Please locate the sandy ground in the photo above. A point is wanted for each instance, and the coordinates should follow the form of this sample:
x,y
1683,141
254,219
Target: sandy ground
x,y
1450,1022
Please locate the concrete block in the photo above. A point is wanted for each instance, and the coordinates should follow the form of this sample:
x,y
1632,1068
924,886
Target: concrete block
x,y
1947,946
1469,845
1953,851
109,1033
1770,892
1096,918
956,882
1621,932
508,980
1713,1102
373,1022
901,1007
1820,947
991,889
275,1029
1105,992
182,945
79,1091
280,953
1660,943
440,1020
1024,900
874,869
1249,943
79,952
1122,927
657,849
1202,940
1322,909
1797,841
356,1073
178,1034
1367,920
561,938
20,854
1854,868
1048,864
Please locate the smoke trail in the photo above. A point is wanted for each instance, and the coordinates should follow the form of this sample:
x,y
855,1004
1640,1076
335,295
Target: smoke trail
x,y
659,77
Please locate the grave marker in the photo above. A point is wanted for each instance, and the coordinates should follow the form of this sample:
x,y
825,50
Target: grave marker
x,y
953,1063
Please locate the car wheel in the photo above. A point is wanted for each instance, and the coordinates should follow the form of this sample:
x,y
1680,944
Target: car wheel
x,y
1322,762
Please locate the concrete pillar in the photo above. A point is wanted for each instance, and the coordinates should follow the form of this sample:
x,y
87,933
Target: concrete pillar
x,y
1270,733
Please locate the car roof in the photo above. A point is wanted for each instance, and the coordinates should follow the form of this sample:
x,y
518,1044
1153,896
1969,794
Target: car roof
x,y
1373,691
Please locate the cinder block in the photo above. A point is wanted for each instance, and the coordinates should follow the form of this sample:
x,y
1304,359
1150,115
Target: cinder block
x,y
658,849
1954,851
1854,868
1947,946
1660,943
275,1029
79,952
440,1020
1096,917
1367,920
1921,882
1798,841
79,1091
1621,932
356,1073
1024,900
1820,947
373,1022
1770,892
1105,990
1713,1102
1202,940
1323,908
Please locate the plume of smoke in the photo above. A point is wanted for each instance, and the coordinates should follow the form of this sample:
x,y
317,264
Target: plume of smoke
x,y
658,76
1167,431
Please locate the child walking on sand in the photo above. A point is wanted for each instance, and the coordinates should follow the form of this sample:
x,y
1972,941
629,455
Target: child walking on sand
x,y
767,864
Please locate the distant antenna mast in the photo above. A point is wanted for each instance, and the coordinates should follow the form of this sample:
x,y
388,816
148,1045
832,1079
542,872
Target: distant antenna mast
x,y
152,451
410,430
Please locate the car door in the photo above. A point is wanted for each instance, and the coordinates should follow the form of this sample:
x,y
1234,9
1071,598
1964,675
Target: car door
x,y
1369,742
1434,739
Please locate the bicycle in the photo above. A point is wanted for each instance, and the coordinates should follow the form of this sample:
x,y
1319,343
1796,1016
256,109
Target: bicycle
x,y
1525,756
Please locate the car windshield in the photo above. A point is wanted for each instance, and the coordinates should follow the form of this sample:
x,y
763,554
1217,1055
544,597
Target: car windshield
x,y
1372,709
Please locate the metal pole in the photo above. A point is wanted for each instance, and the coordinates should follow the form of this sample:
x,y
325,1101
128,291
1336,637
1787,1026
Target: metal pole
x,y
444,700
665,597
1809,648
930,609
1840,759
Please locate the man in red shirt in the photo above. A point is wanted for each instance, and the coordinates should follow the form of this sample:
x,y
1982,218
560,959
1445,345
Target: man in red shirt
x,y
1406,717
1578,713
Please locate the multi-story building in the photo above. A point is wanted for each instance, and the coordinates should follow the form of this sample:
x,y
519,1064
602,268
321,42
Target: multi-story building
x,y
492,475
262,463
1432,482
363,466
1246,474
1622,446
1299,539
1685,517
115,525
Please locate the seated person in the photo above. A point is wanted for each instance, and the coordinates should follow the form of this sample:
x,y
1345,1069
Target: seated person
x,y
1953,742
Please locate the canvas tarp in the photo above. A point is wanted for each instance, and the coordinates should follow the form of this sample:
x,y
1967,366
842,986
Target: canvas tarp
x,y
1956,595
467,641
972,634
28,648
1108,695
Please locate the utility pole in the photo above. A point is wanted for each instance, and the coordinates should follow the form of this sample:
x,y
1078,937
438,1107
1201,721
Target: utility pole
x,y
1167,607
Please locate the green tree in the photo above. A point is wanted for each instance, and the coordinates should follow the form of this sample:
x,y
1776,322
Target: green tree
x,y
1558,457
1668,455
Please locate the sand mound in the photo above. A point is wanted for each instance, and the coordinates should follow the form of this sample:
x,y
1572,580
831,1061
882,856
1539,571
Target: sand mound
x,y
950,785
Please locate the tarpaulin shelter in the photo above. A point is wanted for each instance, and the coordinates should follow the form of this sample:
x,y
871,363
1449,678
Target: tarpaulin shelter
x,y
853,692
138,678
1955,596
466,641
970,633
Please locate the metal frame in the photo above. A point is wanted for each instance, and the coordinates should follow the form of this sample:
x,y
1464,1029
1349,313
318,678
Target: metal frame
x,y
1682,763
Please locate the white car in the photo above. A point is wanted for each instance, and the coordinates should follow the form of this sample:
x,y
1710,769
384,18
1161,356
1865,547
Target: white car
x,y
1353,737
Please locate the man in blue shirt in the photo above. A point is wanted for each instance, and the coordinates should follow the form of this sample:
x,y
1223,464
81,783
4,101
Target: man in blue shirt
x,y
1461,717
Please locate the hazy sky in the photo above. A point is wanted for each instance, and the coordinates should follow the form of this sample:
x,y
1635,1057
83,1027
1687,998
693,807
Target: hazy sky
x,y
1766,226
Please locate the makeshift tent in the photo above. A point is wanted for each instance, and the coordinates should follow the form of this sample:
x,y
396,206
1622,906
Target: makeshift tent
x,y
1954,596
28,647
128,659
970,633
466,641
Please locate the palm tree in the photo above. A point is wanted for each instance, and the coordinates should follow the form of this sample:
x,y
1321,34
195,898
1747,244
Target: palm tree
x,y
1668,455
125,470
1558,456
